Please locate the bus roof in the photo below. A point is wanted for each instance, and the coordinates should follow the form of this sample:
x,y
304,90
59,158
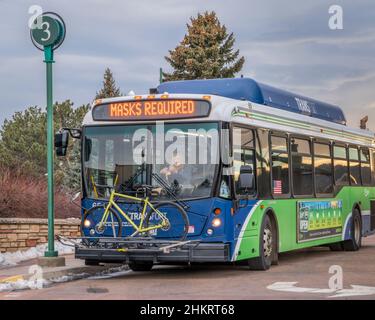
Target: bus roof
x,y
251,90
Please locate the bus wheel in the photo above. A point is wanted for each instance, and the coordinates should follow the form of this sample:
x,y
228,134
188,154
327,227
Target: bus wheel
x,y
91,262
267,246
355,241
338,246
141,266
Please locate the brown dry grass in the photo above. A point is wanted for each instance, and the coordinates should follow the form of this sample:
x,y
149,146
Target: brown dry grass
x,y
26,197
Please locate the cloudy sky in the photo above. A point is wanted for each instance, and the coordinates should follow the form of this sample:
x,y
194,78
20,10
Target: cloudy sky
x,y
287,44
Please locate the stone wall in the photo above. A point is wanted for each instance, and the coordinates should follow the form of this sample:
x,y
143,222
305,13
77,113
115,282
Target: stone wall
x,y
20,234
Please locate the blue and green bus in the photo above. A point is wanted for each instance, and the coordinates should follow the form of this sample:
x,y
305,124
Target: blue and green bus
x,y
276,172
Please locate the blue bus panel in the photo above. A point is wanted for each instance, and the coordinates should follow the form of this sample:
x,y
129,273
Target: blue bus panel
x,y
251,90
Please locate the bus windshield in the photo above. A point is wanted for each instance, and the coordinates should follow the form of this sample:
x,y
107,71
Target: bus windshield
x,y
185,157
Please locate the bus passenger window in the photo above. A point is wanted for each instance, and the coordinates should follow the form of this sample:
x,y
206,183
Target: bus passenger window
x,y
340,163
243,155
280,165
302,170
365,166
323,168
355,173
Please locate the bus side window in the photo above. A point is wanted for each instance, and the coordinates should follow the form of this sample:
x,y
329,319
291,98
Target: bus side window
x,y
340,163
280,165
323,168
302,168
365,166
243,154
354,167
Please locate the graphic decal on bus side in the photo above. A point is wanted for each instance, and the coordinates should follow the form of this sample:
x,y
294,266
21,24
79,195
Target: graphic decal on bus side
x,y
319,219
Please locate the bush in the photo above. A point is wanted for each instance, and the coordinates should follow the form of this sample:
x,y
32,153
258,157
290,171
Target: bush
x,y
23,196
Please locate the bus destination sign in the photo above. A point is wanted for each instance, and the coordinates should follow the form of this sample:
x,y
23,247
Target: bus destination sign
x,y
151,110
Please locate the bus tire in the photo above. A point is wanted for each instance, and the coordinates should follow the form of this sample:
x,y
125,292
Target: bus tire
x,y
267,246
338,246
275,253
89,262
141,266
355,241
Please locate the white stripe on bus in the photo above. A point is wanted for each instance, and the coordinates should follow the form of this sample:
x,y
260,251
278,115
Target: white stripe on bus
x,y
244,226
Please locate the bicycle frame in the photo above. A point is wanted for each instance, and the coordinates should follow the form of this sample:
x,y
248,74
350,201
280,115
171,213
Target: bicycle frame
x,y
146,204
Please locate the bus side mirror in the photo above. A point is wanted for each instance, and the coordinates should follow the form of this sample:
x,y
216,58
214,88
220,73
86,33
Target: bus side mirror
x,y
75,133
246,178
61,143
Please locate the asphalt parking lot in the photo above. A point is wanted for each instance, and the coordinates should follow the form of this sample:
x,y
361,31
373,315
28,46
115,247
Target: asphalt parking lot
x,y
315,273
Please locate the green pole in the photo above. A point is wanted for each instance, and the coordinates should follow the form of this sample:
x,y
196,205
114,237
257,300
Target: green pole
x,y
160,75
48,53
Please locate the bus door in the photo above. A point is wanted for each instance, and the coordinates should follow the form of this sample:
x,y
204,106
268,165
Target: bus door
x,y
244,177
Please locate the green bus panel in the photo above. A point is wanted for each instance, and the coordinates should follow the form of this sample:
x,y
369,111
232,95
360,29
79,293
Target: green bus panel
x,y
327,220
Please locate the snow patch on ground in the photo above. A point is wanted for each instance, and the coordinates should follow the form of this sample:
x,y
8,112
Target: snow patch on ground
x,y
13,258
43,283
23,284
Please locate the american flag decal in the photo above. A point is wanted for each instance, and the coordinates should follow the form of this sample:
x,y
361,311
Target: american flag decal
x,y
277,187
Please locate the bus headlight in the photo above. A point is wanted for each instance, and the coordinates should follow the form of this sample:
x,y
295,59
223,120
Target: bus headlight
x,y
216,222
87,223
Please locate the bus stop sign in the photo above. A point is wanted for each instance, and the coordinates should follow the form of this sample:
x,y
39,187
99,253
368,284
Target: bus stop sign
x,y
48,31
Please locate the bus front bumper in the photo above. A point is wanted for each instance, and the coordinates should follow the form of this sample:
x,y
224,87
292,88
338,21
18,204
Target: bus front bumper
x,y
188,252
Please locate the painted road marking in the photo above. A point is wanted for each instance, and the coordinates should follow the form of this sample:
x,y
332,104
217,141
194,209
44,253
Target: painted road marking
x,y
355,290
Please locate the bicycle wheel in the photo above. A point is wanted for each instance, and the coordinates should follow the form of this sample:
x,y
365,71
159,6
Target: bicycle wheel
x,y
91,228
178,225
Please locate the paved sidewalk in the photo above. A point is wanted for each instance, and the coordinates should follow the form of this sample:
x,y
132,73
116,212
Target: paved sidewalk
x,y
74,267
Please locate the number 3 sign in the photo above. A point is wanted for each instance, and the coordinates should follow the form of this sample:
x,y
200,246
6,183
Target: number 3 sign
x,y
48,30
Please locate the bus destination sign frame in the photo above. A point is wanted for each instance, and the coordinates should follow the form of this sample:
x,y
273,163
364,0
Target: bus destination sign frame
x,y
152,109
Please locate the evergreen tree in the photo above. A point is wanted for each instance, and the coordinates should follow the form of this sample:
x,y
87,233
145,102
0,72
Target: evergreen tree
x,y
109,89
206,51
23,143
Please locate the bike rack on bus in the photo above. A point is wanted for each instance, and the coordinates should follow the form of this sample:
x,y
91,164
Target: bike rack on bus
x,y
126,244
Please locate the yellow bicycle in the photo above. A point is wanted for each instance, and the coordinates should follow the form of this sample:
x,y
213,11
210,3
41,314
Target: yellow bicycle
x,y
165,219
